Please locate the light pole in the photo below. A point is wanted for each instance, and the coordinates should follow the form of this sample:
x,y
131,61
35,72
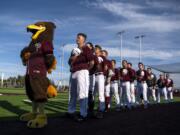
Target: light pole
x,y
121,38
140,45
62,66
2,80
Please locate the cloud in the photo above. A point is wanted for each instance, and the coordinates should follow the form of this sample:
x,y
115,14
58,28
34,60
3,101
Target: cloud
x,y
134,53
137,18
172,5
69,47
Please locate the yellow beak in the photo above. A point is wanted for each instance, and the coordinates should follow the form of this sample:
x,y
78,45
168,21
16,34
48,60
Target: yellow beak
x,y
39,29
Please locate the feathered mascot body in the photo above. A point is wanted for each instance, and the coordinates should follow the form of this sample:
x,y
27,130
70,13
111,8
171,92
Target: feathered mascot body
x,y
39,59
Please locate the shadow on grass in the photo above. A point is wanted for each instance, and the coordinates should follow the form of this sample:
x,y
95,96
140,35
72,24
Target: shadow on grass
x,y
11,108
53,108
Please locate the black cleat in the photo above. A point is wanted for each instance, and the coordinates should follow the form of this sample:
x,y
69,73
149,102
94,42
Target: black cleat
x,y
99,115
91,115
71,115
80,118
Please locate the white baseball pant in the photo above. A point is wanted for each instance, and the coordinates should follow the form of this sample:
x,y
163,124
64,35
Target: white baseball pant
x,y
170,93
99,88
142,90
126,90
121,95
115,91
162,91
79,86
151,92
132,90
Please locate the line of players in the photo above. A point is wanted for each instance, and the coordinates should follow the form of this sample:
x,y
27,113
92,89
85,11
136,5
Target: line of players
x,y
92,73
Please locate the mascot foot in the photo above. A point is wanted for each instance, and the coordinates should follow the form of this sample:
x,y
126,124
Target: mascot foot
x,y
39,122
27,117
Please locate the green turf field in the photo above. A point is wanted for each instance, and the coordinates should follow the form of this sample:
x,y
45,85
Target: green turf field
x,y
11,106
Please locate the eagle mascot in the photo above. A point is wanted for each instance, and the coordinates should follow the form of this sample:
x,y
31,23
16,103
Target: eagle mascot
x,y
39,61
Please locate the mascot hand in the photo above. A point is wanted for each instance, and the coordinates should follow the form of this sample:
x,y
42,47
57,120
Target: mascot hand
x,y
51,91
53,66
25,54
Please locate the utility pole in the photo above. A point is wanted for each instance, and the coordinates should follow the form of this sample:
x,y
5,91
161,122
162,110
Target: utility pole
x,y
121,43
140,46
2,80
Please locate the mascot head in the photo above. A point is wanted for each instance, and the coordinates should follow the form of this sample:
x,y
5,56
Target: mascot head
x,y
42,31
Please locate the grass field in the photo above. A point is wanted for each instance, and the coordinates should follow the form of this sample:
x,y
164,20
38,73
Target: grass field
x,y
11,106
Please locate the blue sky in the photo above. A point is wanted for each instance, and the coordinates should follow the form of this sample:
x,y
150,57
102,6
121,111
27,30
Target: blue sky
x,y
159,20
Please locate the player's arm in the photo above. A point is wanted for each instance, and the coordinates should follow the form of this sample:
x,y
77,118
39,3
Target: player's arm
x,y
91,64
72,59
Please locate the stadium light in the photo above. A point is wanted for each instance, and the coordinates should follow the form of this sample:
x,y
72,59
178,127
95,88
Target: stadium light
x,y
2,80
121,38
140,45
62,64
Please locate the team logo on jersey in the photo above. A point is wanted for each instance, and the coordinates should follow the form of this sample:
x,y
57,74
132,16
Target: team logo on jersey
x,y
37,45
142,73
152,76
100,59
169,80
124,71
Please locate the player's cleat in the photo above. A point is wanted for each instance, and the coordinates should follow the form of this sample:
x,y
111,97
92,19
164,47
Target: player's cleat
x,y
118,109
80,118
39,122
70,115
99,115
145,106
91,115
28,116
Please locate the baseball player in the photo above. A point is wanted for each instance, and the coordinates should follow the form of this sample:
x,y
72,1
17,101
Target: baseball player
x,y
99,81
125,78
151,83
162,88
108,74
169,87
92,83
132,87
79,63
114,85
141,75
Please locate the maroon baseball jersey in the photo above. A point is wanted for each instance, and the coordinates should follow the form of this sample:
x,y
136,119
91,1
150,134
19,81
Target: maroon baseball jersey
x,y
133,74
141,75
82,61
93,70
125,74
116,75
169,83
100,66
36,63
108,66
161,83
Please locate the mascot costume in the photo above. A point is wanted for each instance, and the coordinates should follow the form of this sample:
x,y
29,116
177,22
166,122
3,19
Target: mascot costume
x,y
39,59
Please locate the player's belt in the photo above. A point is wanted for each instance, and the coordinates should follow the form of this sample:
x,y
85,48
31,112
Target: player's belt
x,y
99,73
142,81
115,81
